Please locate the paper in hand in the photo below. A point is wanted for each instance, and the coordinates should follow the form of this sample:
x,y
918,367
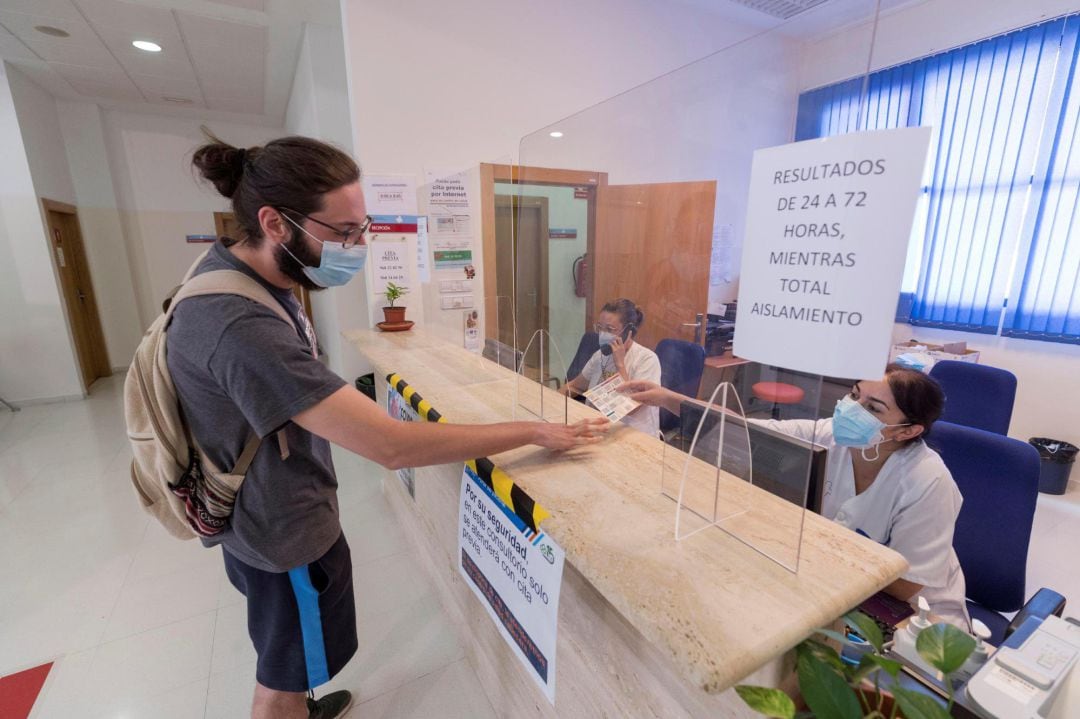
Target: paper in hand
x,y
612,404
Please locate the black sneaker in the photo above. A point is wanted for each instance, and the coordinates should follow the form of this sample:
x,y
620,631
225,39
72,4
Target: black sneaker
x,y
330,706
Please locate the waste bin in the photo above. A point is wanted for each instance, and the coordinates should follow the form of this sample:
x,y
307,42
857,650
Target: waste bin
x,y
1057,461
366,384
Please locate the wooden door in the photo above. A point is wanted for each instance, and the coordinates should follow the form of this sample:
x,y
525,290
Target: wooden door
x,y
69,254
654,246
521,236
227,226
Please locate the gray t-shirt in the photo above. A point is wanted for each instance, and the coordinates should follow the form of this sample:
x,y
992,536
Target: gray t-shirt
x,y
237,366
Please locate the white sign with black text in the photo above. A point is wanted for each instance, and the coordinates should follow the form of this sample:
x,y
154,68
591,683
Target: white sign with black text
x,y
516,574
827,232
391,263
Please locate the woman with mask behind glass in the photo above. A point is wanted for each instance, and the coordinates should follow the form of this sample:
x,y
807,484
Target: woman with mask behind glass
x,y
620,355
882,480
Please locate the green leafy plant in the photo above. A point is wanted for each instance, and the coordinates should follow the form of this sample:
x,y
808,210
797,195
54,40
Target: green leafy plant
x,y
393,293
833,689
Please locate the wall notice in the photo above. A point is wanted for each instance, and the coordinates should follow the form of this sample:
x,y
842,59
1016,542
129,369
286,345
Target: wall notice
x,y
516,574
390,263
390,194
827,232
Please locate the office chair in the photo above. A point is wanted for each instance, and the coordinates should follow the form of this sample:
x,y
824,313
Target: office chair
x,y
587,347
976,395
681,366
999,479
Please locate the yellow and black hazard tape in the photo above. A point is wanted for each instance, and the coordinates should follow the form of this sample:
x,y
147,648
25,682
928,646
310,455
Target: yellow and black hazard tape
x,y
504,488
418,403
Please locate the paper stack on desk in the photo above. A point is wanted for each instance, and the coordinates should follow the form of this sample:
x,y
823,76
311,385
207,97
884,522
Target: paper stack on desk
x,y
612,404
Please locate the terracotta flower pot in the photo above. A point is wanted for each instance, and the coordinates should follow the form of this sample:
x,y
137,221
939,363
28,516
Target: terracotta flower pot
x,y
394,314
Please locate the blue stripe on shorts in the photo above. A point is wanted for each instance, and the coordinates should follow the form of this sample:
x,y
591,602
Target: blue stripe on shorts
x,y
307,600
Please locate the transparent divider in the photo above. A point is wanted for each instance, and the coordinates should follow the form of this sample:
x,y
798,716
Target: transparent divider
x,y
624,225
538,380
719,451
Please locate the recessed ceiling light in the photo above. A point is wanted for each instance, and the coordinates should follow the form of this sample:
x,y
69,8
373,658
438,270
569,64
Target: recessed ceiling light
x,y
147,45
555,134
50,30
178,100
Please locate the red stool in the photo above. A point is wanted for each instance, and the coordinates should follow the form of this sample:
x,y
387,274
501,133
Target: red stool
x,y
778,393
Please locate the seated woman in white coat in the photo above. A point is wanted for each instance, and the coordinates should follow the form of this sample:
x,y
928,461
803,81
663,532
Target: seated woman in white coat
x,y
882,480
619,354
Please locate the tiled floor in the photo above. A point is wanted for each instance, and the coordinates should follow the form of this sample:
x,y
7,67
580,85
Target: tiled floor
x,y
142,625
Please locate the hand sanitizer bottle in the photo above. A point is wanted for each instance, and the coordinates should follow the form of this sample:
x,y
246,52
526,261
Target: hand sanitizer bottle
x,y
904,645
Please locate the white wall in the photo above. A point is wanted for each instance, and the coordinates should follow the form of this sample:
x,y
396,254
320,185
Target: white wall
x,y
480,76
37,359
160,198
39,122
449,85
319,108
103,235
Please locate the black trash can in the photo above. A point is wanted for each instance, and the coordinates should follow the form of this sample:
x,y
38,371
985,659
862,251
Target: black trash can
x,y
1057,461
366,384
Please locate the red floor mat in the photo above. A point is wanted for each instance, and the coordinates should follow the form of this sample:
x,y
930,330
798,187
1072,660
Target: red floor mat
x,y
18,692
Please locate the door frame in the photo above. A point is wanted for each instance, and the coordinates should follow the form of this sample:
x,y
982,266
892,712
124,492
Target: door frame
x,y
490,173
515,203
93,359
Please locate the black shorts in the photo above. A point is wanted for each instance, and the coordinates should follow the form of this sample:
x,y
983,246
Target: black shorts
x,y
302,622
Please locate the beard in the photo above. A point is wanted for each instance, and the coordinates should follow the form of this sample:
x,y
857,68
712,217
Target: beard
x,y
292,266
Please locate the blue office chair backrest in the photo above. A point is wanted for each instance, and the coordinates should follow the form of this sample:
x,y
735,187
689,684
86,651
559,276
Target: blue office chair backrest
x,y
999,478
976,395
681,366
587,347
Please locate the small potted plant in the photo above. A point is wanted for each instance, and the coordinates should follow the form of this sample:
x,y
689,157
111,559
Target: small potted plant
x,y
833,689
393,293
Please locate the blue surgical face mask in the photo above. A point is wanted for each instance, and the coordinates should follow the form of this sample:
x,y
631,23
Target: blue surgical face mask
x,y
854,426
337,265
606,338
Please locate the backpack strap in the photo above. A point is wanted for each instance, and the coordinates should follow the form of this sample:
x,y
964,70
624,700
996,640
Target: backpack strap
x,y
228,282
231,282
246,456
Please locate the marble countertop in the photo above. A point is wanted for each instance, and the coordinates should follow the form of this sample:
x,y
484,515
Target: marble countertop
x,y
712,602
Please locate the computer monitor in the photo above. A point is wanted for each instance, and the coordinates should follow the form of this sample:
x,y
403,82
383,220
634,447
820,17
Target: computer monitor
x,y
785,466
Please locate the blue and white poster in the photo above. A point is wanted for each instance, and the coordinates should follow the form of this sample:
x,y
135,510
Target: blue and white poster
x,y
516,573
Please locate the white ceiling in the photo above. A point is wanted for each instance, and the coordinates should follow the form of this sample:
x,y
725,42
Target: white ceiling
x,y
232,59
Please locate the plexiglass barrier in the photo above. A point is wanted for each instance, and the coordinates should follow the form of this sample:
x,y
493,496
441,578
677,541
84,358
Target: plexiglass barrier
x,y
626,225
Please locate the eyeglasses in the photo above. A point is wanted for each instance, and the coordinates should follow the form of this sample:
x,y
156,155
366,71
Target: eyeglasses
x,y
349,237
606,328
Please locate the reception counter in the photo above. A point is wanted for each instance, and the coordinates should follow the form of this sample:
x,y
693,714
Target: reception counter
x,y
647,626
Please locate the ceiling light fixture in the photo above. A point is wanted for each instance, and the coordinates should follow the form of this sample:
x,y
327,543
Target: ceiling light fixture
x,y
53,31
178,100
147,45
555,134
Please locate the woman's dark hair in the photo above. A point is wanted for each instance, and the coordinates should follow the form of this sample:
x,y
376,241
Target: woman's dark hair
x,y
918,396
291,172
627,312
